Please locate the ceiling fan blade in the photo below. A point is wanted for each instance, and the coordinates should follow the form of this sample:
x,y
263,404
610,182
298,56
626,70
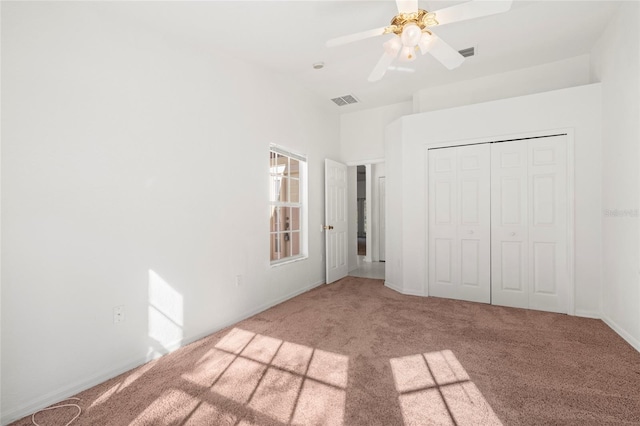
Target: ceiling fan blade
x,y
470,10
447,55
407,6
381,67
355,37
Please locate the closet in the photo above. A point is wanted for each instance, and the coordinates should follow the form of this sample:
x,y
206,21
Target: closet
x,y
498,223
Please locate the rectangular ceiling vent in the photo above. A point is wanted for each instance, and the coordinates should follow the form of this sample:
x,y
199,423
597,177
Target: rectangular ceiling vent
x,y
469,51
345,100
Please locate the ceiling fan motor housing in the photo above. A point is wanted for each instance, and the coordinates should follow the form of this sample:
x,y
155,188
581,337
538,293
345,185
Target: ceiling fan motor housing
x,y
421,18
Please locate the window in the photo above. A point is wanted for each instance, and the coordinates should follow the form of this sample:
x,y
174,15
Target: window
x,y
287,201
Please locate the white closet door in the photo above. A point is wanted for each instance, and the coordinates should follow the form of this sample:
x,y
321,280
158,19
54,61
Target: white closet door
x,y
548,262
529,263
509,224
459,223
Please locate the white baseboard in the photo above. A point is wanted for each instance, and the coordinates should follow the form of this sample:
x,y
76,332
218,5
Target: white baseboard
x,y
413,293
392,286
400,290
588,314
622,332
50,398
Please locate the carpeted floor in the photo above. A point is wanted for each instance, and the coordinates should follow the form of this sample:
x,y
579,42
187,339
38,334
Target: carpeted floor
x,y
357,353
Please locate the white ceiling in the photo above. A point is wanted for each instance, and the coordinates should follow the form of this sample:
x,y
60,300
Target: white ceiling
x,y
289,36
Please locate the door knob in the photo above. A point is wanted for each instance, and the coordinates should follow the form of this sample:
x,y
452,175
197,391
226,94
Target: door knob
x,y
513,234
469,232
328,227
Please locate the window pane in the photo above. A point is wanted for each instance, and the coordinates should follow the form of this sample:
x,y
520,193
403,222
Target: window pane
x,y
294,168
295,243
278,163
283,195
286,238
276,188
294,218
277,219
294,188
277,247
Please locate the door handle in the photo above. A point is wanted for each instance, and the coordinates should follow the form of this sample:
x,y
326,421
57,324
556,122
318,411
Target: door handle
x,y
327,227
513,234
469,232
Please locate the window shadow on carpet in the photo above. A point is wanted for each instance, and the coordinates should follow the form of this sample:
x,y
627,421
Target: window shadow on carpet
x,y
270,378
434,388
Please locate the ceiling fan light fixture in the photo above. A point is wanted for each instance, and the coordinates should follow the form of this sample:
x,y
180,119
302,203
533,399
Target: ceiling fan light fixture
x,y
407,54
393,46
412,30
425,42
411,35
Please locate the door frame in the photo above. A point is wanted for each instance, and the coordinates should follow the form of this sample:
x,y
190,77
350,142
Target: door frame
x,y
570,135
368,164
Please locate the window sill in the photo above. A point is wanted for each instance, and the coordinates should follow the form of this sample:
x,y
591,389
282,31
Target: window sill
x,y
287,261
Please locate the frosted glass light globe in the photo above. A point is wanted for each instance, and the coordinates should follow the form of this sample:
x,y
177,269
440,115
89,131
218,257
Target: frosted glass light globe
x,y
407,54
411,34
393,46
425,42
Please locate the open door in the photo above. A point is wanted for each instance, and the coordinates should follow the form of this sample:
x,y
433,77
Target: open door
x,y
335,220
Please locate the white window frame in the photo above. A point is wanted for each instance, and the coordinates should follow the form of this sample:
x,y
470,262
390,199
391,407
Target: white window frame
x,y
302,205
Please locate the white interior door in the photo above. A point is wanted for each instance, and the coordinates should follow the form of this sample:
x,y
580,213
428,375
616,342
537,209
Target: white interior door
x,y
459,223
382,216
335,225
509,224
548,260
529,260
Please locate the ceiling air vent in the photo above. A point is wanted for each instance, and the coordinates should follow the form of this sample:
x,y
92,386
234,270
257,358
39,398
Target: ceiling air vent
x,y
345,100
469,51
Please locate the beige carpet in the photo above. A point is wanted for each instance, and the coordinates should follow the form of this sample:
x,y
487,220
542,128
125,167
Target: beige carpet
x,y
357,353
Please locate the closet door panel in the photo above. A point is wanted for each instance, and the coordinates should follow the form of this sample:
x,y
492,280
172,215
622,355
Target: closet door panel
x,y
474,230
444,252
509,230
459,223
548,224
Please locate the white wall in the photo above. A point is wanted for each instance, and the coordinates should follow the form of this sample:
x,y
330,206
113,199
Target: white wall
x,y
575,108
362,132
394,161
134,165
616,64
569,72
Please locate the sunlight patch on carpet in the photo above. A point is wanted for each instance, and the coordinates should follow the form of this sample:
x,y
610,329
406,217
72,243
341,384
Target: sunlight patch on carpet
x,y
209,368
207,414
104,397
434,389
285,381
137,373
170,408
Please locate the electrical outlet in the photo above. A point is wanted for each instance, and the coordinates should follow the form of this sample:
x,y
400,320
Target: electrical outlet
x,y
118,314
238,280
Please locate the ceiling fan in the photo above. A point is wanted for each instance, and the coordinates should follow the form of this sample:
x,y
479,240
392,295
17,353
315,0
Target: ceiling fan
x,y
412,28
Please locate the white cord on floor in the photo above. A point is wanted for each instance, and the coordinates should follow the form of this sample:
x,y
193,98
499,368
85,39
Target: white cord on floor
x,y
33,417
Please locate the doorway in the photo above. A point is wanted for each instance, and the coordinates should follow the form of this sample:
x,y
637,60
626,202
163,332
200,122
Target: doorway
x,y
366,215
361,210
